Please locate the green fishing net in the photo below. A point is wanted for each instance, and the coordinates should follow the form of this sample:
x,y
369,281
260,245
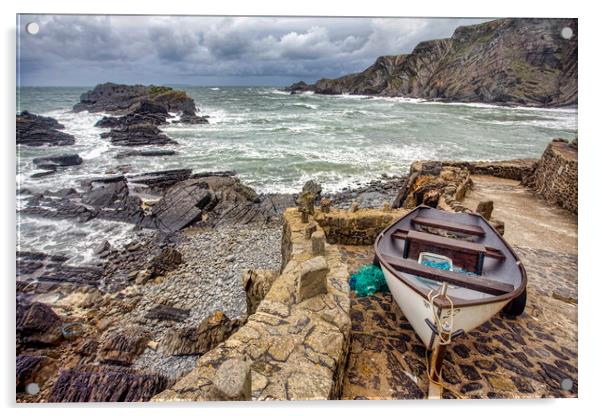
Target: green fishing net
x,y
368,280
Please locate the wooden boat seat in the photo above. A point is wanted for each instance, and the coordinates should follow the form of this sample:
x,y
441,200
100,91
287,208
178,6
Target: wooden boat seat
x,y
466,254
449,225
479,284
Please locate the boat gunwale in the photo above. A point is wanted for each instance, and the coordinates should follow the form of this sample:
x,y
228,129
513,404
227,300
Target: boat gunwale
x,y
457,302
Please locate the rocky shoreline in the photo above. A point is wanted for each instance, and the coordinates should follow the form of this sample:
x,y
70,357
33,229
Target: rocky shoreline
x,y
204,251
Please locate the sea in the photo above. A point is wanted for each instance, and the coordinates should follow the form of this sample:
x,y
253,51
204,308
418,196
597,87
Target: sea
x,y
276,142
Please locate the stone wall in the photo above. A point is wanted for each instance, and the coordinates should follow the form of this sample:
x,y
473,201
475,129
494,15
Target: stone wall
x,y
556,175
295,346
360,227
507,169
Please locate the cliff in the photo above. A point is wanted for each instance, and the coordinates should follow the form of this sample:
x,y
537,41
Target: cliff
x,y
504,61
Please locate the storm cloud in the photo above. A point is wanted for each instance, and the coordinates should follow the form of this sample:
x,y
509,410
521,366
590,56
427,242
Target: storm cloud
x,y
85,50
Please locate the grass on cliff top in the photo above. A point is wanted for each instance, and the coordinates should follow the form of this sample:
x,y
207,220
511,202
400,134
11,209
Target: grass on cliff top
x,y
158,89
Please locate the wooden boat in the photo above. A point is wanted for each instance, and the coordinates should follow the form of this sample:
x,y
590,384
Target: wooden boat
x,y
443,304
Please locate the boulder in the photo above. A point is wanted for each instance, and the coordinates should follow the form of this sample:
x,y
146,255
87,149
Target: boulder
x,y
313,187
27,367
121,345
232,380
257,284
53,162
181,205
35,130
93,383
485,208
167,260
169,313
38,325
200,339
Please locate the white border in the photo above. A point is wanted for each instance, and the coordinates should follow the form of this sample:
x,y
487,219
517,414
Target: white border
x,y
590,114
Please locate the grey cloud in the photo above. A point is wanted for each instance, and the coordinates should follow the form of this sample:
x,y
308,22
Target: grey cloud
x,y
83,50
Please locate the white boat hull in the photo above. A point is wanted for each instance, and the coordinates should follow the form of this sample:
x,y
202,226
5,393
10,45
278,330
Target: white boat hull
x,y
417,309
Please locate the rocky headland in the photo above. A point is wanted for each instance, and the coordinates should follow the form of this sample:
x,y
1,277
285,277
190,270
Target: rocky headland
x,y
506,61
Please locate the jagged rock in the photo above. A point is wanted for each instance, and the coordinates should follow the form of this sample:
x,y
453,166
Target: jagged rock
x,y
313,187
35,130
485,208
164,312
122,99
233,380
429,183
144,112
169,259
106,384
312,280
161,180
298,87
141,134
53,162
145,153
198,340
120,346
110,199
256,284
27,367
182,205
504,61
37,324
192,119
103,248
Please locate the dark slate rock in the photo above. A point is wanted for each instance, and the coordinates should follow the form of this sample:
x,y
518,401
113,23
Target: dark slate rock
x,y
106,384
182,205
164,312
26,368
35,130
52,162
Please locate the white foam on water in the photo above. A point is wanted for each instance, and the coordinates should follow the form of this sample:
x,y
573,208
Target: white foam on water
x,y
70,238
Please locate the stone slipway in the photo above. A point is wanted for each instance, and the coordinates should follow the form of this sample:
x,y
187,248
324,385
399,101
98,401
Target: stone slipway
x,y
290,349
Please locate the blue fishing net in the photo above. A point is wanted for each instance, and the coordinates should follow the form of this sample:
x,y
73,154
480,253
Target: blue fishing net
x,y
368,280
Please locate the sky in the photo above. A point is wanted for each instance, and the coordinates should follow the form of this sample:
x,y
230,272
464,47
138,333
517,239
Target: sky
x,y
71,50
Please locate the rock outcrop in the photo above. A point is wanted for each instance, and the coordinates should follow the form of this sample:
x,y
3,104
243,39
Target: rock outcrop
x,y
92,383
138,134
200,339
35,130
504,61
122,99
54,162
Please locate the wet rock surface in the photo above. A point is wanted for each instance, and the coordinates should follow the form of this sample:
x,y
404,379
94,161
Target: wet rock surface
x,y
122,99
35,130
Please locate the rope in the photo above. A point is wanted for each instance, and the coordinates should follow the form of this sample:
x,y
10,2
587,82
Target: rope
x,y
442,327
